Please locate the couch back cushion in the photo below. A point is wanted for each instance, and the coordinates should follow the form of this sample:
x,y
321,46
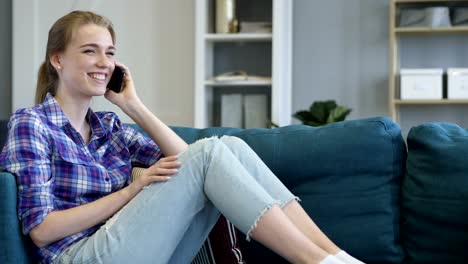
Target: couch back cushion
x,y
14,246
348,175
3,132
435,194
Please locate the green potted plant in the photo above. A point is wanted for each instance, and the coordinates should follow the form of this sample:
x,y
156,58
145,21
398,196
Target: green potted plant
x,y
321,113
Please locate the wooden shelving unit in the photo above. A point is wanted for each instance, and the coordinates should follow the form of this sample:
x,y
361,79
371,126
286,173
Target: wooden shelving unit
x,y
394,50
238,37
430,102
400,30
268,53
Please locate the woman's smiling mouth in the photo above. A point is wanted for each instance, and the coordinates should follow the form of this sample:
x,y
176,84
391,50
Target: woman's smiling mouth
x,y
98,76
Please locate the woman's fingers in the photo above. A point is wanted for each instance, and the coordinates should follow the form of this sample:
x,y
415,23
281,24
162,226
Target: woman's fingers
x,y
167,162
163,172
159,178
170,164
165,166
168,159
152,179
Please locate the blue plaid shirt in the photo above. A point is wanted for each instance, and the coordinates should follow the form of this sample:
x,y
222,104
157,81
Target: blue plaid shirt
x,y
56,170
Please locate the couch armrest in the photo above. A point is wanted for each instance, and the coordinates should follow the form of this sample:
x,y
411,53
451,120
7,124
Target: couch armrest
x,y
14,246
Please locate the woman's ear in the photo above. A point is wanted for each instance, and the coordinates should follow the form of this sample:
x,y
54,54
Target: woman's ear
x,y
55,61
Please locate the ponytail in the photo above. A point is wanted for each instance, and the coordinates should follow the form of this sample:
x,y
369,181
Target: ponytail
x,y
46,81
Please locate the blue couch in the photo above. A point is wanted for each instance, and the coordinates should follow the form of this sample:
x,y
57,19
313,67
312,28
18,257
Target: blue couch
x,y
376,197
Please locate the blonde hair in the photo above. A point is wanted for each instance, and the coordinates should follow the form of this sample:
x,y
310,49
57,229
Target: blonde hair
x,y
60,35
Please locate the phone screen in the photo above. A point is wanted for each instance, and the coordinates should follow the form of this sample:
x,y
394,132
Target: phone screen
x,y
116,80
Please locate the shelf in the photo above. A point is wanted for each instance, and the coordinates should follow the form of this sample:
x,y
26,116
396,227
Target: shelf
x,y
427,1
239,37
443,40
461,29
263,54
431,102
239,83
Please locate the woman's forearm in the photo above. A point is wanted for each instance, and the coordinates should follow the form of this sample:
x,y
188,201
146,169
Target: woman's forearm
x,y
60,224
168,141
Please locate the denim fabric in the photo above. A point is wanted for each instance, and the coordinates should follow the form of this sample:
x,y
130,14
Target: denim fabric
x,y
168,222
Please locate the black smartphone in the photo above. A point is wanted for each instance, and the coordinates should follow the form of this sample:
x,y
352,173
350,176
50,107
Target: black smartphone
x,y
116,80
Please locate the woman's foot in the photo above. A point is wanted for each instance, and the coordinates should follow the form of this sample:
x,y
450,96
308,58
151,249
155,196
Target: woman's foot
x,y
330,259
346,258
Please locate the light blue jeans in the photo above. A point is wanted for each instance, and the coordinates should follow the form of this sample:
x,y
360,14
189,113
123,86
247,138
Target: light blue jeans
x,y
168,222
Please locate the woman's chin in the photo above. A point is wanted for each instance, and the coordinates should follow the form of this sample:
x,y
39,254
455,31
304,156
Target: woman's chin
x,y
100,91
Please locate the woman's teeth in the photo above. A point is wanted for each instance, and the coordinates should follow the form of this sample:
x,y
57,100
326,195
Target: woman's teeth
x,y
98,76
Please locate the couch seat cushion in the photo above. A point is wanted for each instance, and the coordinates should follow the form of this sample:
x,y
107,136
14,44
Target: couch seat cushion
x,y
348,175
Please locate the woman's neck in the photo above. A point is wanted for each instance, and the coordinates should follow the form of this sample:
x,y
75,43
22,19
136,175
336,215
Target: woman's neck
x,y
76,111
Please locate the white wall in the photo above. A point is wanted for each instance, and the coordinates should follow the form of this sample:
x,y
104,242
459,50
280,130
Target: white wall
x,y
5,62
154,38
341,53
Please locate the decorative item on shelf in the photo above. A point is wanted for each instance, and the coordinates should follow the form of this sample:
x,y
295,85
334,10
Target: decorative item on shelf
x,y
420,84
460,16
238,76
321,113
436,16
255,27
457,83
226,20
233,76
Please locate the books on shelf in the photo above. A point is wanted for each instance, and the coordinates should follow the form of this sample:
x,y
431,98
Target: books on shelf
x,y
255,27
255,110
231,110
238,76
244,110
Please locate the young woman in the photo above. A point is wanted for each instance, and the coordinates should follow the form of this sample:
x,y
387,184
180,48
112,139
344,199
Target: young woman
x,y
75,197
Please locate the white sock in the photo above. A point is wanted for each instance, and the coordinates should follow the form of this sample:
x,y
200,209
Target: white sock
x,y
346,258
330,259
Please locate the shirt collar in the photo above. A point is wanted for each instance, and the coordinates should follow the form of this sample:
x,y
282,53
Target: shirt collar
x,y
55,114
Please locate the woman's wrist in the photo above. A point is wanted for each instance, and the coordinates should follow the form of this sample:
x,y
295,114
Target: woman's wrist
x,y
136,185
137,172
132,106
132,190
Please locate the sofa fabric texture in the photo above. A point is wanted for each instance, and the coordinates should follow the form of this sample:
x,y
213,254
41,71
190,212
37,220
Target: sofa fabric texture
x,y
348,175
435,194
375,198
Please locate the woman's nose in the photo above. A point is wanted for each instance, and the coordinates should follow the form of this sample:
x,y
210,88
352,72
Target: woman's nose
x,y
104,61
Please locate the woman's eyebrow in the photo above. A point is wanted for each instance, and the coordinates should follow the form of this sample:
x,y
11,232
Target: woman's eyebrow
x,y
94,45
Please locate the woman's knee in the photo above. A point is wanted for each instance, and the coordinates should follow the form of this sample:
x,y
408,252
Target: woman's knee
x,y
231,141
205,143
207,146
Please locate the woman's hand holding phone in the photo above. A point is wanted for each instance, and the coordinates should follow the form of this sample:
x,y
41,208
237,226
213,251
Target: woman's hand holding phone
x,y
123,95
116,81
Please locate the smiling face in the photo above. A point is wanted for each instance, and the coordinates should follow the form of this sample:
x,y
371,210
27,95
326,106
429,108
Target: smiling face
x,y
87,63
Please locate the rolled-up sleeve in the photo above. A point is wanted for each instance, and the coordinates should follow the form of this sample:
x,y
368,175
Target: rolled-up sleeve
x,y
144,151
27,155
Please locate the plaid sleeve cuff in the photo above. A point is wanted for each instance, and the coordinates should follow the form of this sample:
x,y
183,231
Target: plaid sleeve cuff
x,y
34,204
143,149
34,219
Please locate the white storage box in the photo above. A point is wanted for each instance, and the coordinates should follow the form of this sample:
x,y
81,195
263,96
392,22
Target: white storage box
x,y
421,84
457,83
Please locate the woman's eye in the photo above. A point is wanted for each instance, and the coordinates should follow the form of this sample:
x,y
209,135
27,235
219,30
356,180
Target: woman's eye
x,y
110,54
88,51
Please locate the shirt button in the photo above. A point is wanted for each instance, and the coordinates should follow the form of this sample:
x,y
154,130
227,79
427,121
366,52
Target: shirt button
x,y
107,179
